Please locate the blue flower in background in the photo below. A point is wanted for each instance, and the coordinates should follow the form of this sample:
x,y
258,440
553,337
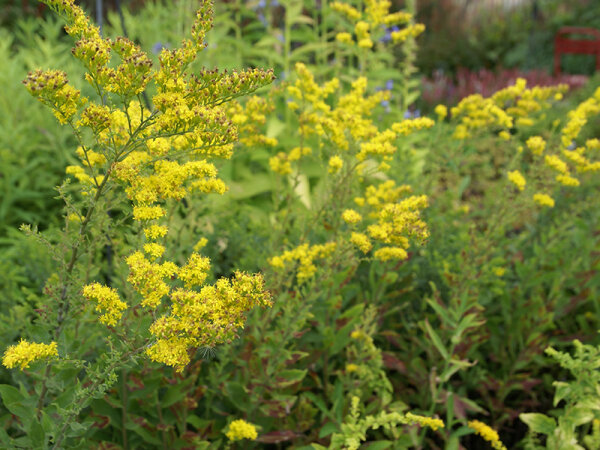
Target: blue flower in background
x,y
262,18
388,34
262,3
157,48
408,114
389,85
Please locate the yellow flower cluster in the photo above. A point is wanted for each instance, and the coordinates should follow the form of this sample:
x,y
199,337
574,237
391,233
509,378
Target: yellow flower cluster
x,y
240,429
543,200
347,124
441,111
335,164
108,301
397,217
405,33
159,154
570,159
24,353
514,105
486,433
424,421
361,241
517,179
374,16
282,162
305,256
52,89
536,144
206,317
350,216
250,118
579,117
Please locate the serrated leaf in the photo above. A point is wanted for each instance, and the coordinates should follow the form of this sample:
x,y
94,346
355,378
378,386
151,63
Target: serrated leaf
x,y
539,423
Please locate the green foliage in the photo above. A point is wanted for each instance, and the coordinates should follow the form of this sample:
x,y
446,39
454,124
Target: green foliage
x,y
578,420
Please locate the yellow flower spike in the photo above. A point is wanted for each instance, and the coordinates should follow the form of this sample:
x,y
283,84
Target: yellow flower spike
x,y
543,200
557,164
423,421
24,353
517,179
487,433
567,180
108,301
240,429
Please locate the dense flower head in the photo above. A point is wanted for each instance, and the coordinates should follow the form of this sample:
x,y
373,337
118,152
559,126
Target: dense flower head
x,y
303,259
486,433
441,111
148,278
536,144
108,301
24,353
516,178
206,317
240,429
350,216
543,200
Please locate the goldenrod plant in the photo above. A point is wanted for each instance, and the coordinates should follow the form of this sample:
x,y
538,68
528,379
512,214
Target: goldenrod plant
x,y
139,160
316,265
